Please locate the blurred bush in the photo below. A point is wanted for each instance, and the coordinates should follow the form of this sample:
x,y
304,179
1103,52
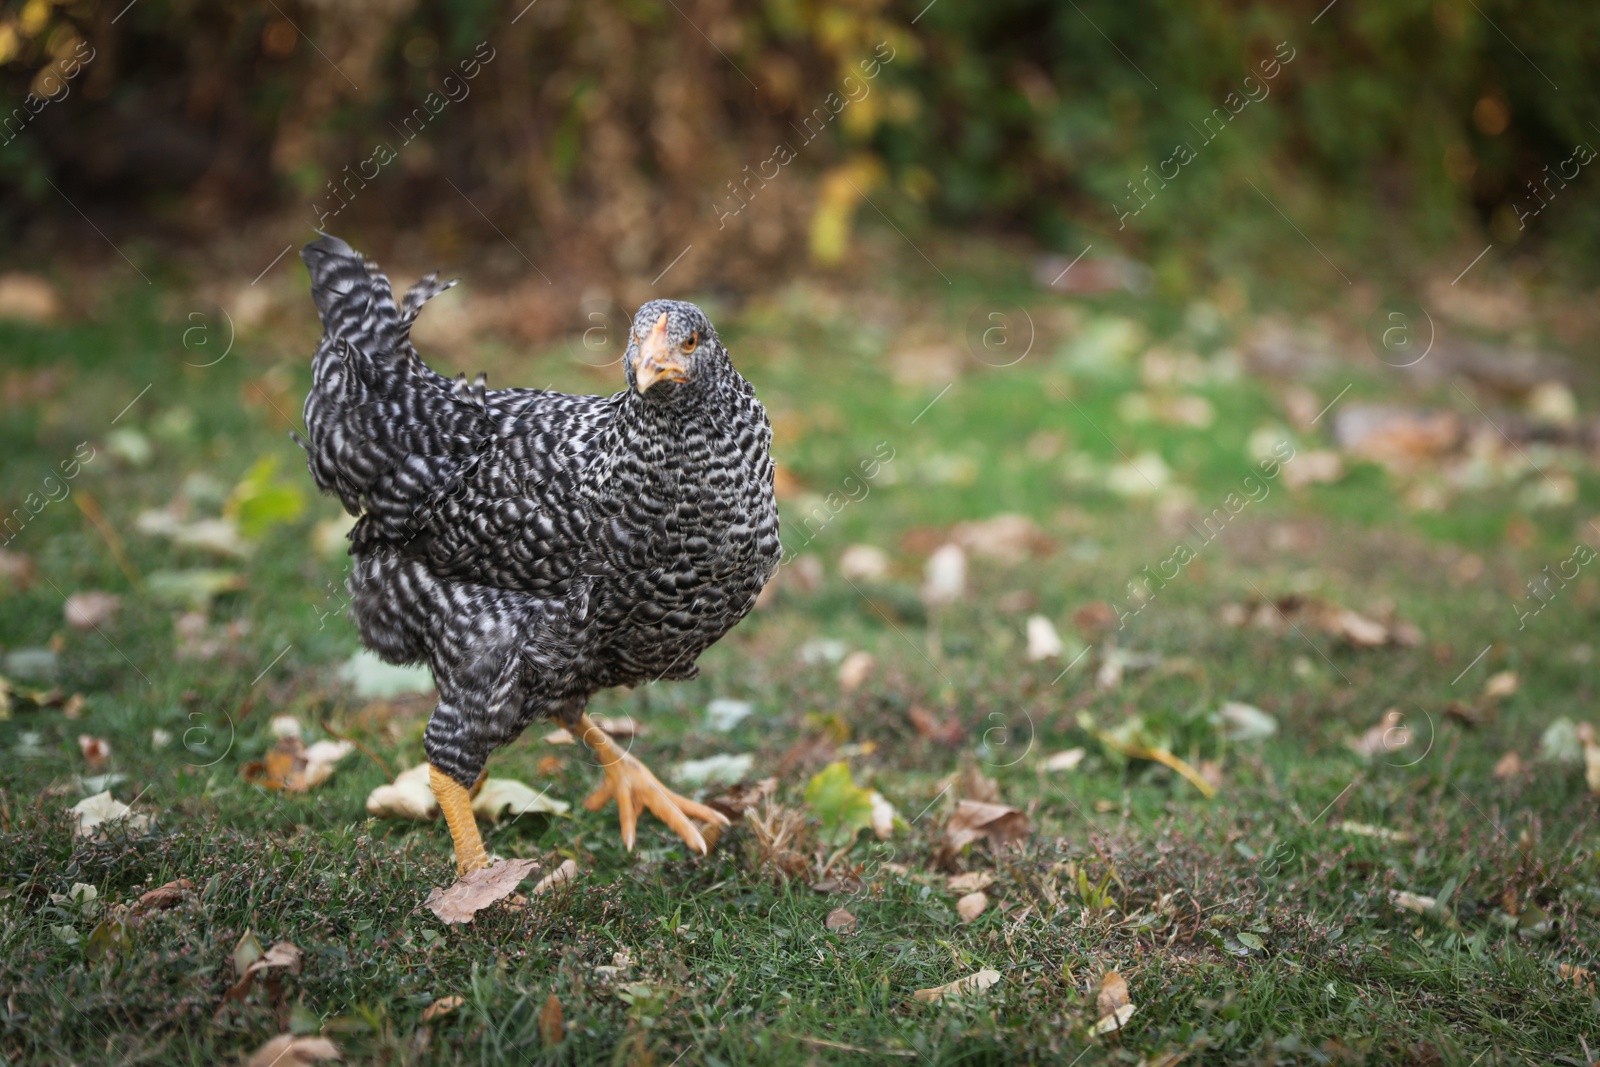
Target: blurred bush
x,y
622,131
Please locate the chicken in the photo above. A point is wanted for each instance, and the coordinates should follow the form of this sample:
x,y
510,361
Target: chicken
x,y
534,547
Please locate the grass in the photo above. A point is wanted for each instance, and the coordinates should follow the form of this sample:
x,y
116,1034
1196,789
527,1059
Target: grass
x,y
1127,865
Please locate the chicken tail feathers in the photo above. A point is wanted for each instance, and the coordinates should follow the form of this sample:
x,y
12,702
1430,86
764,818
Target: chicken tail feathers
x,y
381,424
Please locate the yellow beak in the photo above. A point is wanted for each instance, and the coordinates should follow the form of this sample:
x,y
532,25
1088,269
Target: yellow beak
x,y
657,362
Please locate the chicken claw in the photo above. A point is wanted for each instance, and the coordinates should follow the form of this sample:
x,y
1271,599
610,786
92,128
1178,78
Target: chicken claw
x,y
633,786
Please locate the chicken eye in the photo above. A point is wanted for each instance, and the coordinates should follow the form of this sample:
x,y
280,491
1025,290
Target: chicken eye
x,y
688,345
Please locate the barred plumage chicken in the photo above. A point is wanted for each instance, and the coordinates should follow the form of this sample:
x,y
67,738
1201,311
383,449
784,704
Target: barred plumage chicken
x,y
534,547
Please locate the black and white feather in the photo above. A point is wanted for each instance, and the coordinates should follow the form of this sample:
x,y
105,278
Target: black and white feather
x,y
533,547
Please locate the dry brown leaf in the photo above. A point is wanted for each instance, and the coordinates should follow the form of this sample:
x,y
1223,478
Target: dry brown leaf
x,y
295,767
970,882
95,751
1000,823
841,921
476,890
1578,976
931,727
288,1050
1094,619
1356,628
1416,902
1500,685
1065,761
442,1006
972,983
972,905
92,610
1509,766
741,798
1009,539
1389,735
1591,756
283,955
163,897
855,670
1112,1003
560,876
552,1027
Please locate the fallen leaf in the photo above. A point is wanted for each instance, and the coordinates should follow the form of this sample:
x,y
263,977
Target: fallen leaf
x,y
1112,1003
288,1050
1591,756
933,728
841,921
91,610
1043,641
1509,766
1356,628
95,751
246,952
973,819
1397,438
374,679
1125,743
723,714
864,563
1361,829
1500,685
1147,474
195,588
972,905
558,877
1389,735
1065,761
28,298
408,797
1578,976
1560,742
249,961
442,1006
295,767
552,1028
855,670
721,769
219,537
1094,619
972,983
476,890
1313,468
970,882
843,808
92,813
1246,722
945,577
1400,898
1008,538
741,798
163,897
884,817
500,797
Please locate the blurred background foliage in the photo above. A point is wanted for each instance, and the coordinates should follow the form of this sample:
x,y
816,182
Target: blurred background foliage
x,y
616,132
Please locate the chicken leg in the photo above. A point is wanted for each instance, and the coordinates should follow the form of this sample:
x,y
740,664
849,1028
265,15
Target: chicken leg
x,y
633,786
455,800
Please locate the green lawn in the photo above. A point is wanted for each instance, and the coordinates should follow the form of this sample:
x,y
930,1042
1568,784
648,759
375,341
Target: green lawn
x,y
1259,926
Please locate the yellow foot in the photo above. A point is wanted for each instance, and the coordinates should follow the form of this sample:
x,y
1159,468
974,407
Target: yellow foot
x,y
631,784
455,800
